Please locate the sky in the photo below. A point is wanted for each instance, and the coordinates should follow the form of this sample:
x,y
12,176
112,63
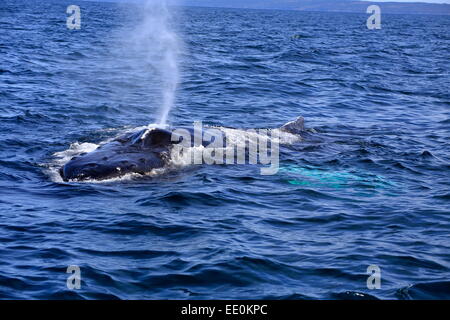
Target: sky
x,y
428,1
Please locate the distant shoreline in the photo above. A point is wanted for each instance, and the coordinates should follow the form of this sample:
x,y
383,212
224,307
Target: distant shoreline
x,y
312,10
338,6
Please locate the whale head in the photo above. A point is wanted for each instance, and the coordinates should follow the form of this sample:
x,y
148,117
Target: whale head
x,y
139,152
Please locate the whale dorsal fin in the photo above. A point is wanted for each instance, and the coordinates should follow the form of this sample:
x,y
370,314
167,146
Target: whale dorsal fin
x,y
295,127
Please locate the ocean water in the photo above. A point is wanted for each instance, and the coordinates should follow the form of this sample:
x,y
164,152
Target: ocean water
x,y
370,187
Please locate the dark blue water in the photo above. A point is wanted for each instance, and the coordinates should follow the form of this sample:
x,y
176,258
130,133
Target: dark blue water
x,y
371,187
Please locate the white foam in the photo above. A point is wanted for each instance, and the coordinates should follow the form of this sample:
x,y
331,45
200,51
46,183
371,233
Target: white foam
x,y
235,138
126,177
239,136
62,157
151,127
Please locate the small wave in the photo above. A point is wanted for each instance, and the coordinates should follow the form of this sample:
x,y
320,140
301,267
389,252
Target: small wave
x,y
439,290
130,254
353,295
190,199
76,55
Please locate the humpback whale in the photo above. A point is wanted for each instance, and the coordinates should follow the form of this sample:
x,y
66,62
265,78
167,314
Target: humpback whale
x,y
138,152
